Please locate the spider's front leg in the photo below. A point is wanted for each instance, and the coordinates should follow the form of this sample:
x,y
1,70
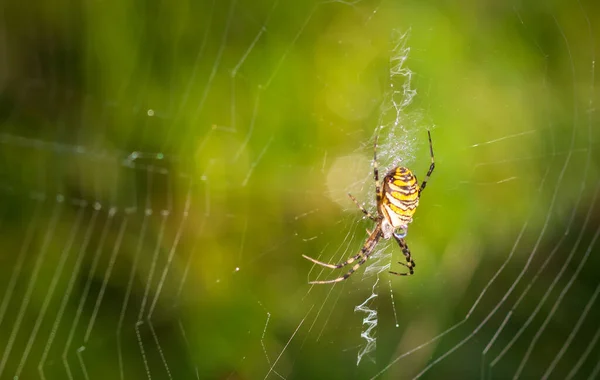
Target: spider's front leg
x,y
410,264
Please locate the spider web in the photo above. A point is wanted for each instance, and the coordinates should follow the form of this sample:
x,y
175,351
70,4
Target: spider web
x,y
162,177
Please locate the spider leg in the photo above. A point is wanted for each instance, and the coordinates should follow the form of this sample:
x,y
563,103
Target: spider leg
x,y
340,265
368,214
431,167
410,264
354,268
364,254
334,266
378,194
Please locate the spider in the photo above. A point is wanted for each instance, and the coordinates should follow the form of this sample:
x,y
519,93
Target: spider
x,y
397,201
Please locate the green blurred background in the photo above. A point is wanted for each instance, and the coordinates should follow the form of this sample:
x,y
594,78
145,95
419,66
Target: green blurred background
x,y
166,164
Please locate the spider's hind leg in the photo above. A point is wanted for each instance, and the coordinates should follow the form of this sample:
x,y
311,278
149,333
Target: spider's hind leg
x,y
378,194
367,214
431,167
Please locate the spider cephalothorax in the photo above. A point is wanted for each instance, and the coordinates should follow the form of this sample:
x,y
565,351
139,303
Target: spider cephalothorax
x,y
397,201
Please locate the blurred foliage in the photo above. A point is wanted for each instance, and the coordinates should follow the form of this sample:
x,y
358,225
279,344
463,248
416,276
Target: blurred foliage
x,y
165,165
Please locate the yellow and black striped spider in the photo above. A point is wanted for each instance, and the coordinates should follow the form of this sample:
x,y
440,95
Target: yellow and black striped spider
x,y
397,201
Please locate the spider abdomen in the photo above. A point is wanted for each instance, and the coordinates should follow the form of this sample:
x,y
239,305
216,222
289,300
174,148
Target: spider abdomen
x,y
400,197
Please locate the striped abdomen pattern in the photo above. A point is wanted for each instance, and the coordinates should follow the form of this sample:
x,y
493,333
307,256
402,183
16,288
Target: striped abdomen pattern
x,y
400,197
